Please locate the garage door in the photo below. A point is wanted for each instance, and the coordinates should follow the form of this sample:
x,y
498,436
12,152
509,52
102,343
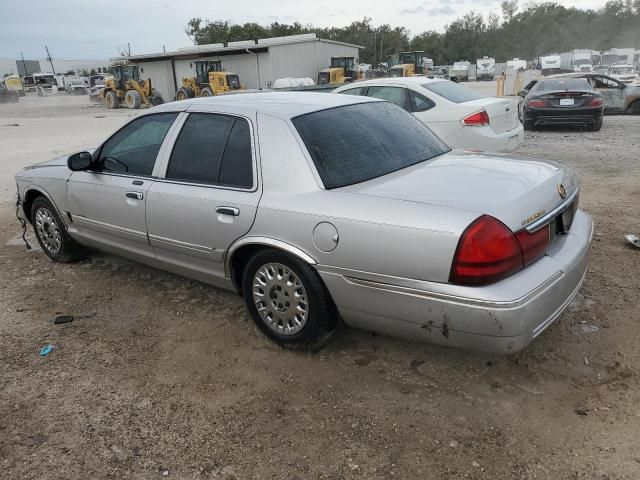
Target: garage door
x,y
161,76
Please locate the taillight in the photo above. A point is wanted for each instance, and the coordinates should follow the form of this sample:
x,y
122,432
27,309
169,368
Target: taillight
x,y
536,103
533,245
596,102
477,119
489,251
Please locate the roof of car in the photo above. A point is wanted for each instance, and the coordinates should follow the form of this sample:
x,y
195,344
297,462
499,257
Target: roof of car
x,y
418,79
279,104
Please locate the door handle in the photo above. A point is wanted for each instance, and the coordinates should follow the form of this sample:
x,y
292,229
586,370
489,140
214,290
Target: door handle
x,y
228,211
134,195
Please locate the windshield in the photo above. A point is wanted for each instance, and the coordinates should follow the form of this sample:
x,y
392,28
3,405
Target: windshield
x,y
623,70
356,143
454,92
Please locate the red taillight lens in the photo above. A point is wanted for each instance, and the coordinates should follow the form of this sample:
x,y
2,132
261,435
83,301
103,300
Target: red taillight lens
x,y
487,252
533,245
596,102
536,103
477,119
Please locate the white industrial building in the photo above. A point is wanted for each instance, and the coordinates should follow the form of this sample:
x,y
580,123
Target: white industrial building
x,y
258,64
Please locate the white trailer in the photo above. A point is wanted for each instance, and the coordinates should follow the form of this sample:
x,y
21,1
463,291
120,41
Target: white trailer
x,y
517,64
485,68
460,70
550,64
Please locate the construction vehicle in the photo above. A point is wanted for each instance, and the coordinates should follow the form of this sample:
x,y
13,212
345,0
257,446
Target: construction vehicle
x,y
409,64
126,86
341,70
210,80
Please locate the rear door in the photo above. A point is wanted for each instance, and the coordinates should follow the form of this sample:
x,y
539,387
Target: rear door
x,y
107,204
207,195
613,92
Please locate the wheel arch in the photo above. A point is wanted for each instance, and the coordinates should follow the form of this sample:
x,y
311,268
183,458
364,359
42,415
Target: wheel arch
x,y
242,250
30,194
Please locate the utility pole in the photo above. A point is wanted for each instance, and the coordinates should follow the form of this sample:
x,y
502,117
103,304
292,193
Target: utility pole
x,y
24,64
50,59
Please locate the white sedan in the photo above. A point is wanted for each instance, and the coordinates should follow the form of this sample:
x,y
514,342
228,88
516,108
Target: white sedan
x,y
458,115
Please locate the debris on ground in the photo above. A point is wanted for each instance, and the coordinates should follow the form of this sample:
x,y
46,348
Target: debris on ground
x,y
582,411
633,239
63,319
46,350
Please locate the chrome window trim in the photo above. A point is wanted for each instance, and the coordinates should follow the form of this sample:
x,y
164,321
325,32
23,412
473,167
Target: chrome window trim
x,y
162,170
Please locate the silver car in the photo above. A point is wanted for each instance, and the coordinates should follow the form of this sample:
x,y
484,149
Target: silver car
x,y
325,208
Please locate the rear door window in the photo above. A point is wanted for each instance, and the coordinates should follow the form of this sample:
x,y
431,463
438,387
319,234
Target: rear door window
x,y
397,95
420,103
213,149
354,91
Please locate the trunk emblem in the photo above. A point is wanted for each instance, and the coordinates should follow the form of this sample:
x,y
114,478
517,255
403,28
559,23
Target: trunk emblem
x,y
562,191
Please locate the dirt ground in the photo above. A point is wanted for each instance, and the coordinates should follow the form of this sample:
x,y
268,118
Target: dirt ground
x,y
162,377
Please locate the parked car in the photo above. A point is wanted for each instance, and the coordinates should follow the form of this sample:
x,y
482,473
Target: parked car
x,y
75,86
618,97
318,208
458,115
623,73
7,95
561,101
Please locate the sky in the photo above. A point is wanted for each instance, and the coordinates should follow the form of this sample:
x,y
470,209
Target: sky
x,y
95,29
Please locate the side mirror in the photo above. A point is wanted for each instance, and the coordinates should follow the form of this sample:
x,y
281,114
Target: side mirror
x,y
522,93
79,161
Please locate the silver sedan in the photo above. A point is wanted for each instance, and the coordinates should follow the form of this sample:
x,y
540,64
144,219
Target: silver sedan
x,y
325,208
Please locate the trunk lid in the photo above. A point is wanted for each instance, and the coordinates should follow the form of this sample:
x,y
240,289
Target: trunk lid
x,y
503,114
568,99
516,191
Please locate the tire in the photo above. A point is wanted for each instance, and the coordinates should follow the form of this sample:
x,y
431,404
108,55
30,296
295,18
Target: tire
x,y
156,99
184,93
633,108
111,100
596,126
206,92
132,99
528,125
303,316
51,233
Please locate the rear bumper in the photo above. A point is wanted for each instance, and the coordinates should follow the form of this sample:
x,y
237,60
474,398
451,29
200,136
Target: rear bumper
x,y
564,116
500,318
485,139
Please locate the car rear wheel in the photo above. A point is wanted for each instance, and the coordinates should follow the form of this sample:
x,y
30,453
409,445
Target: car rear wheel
x,y
596,126
51,233
528,124
288,301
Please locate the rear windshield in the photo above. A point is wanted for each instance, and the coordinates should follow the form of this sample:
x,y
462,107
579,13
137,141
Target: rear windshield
x,y
454,92
563,84
356,143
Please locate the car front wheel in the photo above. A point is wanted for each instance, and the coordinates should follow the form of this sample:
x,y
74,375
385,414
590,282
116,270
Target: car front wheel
x,y
288,301
52,234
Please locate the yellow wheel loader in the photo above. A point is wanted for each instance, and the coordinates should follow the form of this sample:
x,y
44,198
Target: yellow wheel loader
x,y
210,80
342,70
409,64
126,87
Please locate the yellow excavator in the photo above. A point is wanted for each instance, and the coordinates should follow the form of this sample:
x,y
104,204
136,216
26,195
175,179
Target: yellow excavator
x,y
210,80
409,64
342,70
126,86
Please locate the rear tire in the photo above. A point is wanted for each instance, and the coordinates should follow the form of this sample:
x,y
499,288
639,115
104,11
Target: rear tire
x,y
206,92
596,126
52,234
184,93
132,99
633,108
296,310
528,125
111,100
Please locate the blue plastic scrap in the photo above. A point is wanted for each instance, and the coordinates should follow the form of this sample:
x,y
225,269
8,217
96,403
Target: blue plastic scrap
x,y
44,351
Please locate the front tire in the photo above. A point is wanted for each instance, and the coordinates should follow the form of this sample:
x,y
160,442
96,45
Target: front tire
x,y
288,301
52,234
206,92
184,93
132,99
111,100
528,125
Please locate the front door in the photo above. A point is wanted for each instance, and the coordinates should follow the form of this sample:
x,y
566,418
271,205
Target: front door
x,y
107,203
208,197
612,91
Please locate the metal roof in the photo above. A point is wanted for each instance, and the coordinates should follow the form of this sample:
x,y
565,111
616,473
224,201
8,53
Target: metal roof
x,y
262,45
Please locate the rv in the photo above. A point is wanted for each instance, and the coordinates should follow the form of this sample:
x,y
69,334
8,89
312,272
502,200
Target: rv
x,y
517,64
549,64
485,68
460,70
